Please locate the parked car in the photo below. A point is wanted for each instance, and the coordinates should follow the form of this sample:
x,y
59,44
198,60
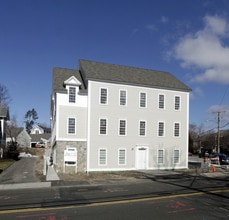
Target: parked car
x,y
216,158
225,160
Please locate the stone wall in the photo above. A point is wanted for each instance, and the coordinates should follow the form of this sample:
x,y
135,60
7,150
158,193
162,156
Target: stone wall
x,y
81,147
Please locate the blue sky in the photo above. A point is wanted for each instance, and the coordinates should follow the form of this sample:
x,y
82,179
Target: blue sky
x,y
189,39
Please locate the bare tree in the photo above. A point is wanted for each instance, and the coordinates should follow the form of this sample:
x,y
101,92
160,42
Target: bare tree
x,y
12,132
4,96
195,133
10,129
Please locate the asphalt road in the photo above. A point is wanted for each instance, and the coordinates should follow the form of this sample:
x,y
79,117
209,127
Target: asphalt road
x,y
174,196
156,197
207,205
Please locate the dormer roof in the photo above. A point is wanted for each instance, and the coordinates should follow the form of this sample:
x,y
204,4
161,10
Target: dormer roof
x,y
72,81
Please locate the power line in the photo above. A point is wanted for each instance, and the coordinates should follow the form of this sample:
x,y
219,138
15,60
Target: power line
x,y
221,101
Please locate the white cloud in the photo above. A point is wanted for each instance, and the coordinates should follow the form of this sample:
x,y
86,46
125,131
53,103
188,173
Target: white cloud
x,y
196,93
207,50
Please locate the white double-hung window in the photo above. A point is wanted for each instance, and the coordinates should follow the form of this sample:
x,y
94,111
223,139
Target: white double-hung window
x,y
160,157
176,156
72,95
103,126
71,125
142,128
102,156
177,103
122,157
122,127
103,96
122,97
142,100
161,101
161,129
176,129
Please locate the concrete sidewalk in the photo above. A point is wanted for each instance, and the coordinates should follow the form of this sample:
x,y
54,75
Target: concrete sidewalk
x,y
34,185
21,176
51,174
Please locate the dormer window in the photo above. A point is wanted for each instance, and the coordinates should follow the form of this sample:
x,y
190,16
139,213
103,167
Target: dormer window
x,y
72,94
72,84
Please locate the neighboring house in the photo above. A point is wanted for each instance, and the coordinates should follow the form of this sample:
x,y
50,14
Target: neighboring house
x,y
19,136
109,117
24,140
4,117
39,129
40,140
40,136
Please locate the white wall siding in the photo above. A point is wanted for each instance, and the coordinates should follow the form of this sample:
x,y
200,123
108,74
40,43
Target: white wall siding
x,y
132,113
81,100
80,115
65,110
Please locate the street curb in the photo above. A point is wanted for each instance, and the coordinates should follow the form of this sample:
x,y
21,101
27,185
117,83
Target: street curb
x,y
34,185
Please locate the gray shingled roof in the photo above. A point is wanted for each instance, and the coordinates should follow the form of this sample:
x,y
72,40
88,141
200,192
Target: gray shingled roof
x,y
62,74
96,71
38,137
130,75
14,132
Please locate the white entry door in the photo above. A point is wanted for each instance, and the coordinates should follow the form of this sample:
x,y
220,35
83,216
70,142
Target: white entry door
x,y
141,158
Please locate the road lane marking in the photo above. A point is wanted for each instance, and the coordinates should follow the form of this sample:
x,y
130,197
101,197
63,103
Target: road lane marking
x,y
116,202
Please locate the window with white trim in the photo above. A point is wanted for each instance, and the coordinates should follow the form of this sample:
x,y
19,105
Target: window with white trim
x,y
121,156
161,101
142,99
72,95
176,129
103,156
177,102
160,157
176,156
103,96
103,126
161,129
71,125
122,97
122,127
142,128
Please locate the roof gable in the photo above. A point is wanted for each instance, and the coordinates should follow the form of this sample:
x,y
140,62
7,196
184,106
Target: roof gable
x,y
72,81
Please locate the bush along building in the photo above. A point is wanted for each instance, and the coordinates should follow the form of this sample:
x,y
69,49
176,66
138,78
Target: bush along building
x,y
107,117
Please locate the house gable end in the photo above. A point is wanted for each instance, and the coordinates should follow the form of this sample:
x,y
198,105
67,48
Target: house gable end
x,y
72,81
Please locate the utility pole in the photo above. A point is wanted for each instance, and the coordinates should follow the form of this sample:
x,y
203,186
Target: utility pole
x,y
218,136
218,133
